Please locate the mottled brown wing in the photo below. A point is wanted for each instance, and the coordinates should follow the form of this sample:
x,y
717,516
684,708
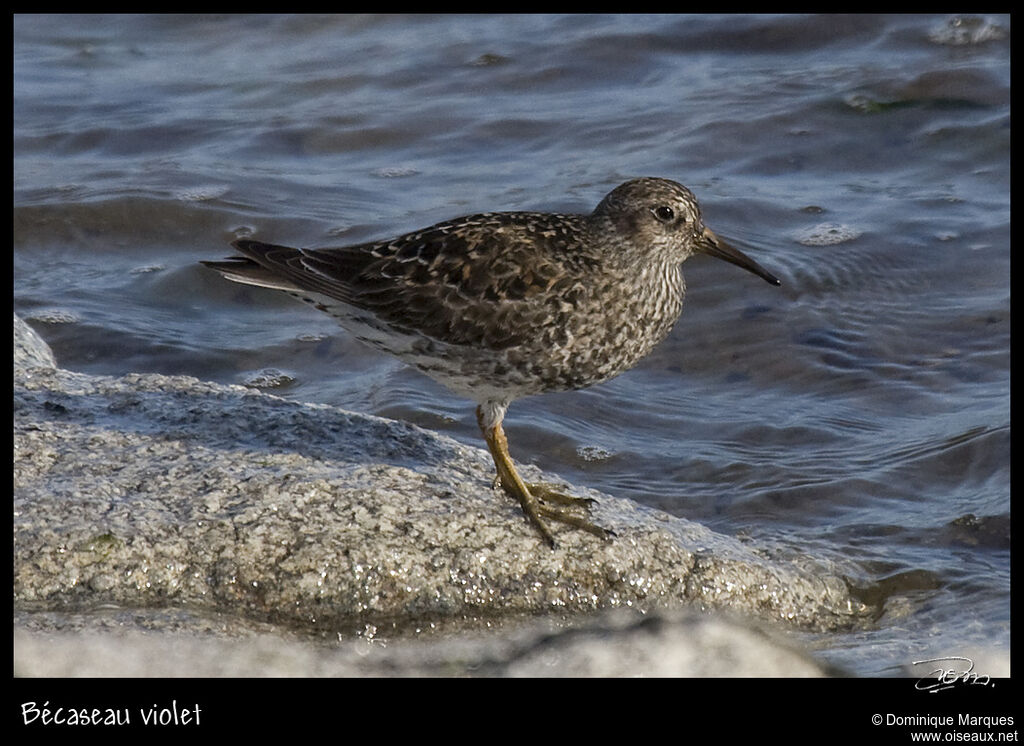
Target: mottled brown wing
x,y
484,280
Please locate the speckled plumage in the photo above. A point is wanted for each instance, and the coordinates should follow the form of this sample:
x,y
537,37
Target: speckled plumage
x,y
502,305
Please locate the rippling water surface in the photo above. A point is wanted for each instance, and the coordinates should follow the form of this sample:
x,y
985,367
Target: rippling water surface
x,y
859,414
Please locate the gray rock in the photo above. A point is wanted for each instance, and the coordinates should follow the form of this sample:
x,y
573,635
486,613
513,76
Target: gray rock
x,y
30,351
165,492
616,643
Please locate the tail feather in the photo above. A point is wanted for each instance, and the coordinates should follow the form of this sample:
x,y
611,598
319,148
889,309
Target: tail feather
x,y
247,272
285,268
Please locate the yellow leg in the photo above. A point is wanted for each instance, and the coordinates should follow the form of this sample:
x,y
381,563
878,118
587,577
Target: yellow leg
x,y
533,498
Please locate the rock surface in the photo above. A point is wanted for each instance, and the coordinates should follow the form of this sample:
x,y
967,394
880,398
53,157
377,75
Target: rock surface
x,y
618,643
166,493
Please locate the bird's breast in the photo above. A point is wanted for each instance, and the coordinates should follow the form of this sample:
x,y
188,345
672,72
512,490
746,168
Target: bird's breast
x,y
601,330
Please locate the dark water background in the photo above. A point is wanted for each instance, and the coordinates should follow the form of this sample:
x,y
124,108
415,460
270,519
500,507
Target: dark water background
x,y
858,414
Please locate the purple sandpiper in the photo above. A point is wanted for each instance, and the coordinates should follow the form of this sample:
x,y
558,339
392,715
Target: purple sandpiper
x,y
501,305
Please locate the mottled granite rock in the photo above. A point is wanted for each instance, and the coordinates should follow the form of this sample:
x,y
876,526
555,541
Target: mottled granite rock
x,y
166,492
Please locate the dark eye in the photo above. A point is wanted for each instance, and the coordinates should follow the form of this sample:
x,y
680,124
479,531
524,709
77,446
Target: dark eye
x,y
664,214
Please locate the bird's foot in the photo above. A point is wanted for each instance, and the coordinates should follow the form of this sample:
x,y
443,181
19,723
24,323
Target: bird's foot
x,y
570,518
548,493
550,503
538,501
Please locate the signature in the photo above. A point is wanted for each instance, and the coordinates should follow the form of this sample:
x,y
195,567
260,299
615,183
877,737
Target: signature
x,y
946,678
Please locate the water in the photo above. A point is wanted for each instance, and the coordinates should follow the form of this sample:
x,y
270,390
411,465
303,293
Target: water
x,y
859,413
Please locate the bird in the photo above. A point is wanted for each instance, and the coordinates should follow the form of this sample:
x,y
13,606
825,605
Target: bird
x,y
501,305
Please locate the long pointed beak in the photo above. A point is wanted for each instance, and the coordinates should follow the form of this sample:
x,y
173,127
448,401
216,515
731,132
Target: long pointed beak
x,y
711,244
